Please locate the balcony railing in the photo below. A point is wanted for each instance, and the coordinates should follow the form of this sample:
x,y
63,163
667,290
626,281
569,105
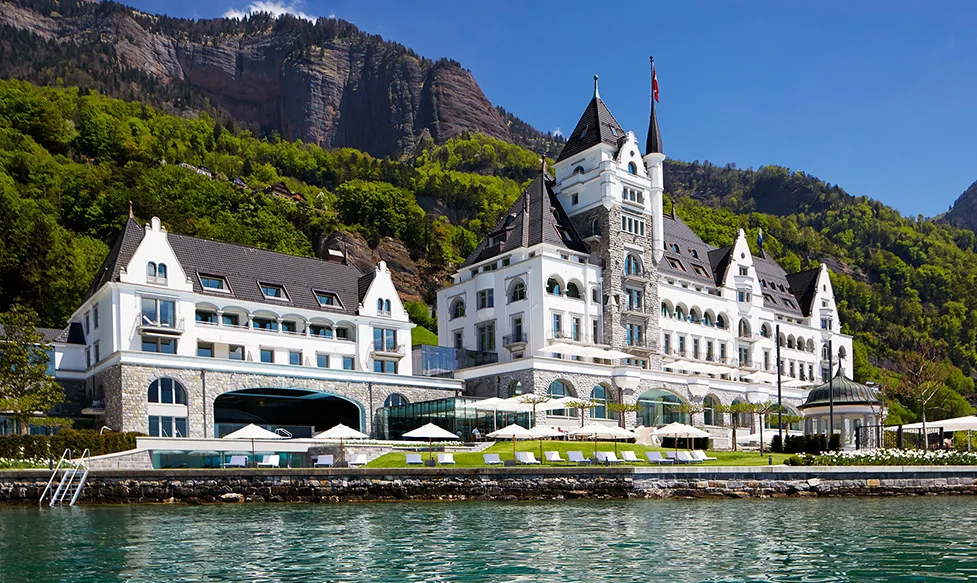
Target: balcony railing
x,y
442,361
145,325
512,339
388,350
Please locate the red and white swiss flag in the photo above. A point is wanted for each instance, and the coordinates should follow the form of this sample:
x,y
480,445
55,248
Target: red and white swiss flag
x,y
654,82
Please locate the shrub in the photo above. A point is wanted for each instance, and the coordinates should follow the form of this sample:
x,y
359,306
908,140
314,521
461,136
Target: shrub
x,y
776,445
794,460
52,446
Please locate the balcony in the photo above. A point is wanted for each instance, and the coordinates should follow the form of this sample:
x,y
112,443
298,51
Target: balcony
x,y
642,347
148,327
749,365
442,361
515,341
637,277
748,337
388,351
96,407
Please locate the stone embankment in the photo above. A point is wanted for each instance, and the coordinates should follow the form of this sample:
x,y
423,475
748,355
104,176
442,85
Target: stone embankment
x,y
305,485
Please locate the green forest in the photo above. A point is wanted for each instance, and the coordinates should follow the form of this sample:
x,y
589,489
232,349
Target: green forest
x,y
71,161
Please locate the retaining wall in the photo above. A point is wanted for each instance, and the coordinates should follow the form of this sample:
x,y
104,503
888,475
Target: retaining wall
x,y
342,485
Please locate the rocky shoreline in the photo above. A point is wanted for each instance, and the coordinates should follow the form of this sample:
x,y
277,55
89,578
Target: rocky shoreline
x,y
364,485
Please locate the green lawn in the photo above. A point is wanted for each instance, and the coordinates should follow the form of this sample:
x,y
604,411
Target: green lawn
x,y
419,335
504,449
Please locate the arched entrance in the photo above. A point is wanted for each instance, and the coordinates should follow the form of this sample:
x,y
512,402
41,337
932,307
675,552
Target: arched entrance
x,y
659,407
302,412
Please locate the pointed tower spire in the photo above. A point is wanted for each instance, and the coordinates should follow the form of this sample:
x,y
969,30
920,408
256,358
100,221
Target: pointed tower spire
x,y
654,143
596,92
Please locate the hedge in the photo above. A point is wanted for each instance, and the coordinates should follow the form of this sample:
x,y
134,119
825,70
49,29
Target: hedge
x,y
52,446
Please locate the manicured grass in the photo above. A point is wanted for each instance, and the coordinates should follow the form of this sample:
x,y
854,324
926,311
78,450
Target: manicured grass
x,y
419,335
504,449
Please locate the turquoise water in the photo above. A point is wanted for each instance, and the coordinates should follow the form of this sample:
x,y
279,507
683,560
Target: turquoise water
x,y
892,539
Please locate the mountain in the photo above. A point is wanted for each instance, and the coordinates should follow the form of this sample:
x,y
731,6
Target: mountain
x,y
963,213
326,82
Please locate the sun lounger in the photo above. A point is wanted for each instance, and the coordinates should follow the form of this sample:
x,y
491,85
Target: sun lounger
x,y
270,461
577,457
414,459
491,459
701,455
608,457
358,460
685,457
553,456
324,461
446,459
526,457
237,461
630,457
655,457
671,455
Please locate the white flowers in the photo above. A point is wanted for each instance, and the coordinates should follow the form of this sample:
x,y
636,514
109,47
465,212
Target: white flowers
x,y
893,457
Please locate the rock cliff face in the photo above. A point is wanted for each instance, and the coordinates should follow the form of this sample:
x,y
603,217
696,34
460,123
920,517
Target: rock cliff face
x,y
964,212
326,83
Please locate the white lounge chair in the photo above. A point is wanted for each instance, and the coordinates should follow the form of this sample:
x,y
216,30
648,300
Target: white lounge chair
x,y
630,457
414,459
608,457
671,455
270,461
491,459
446,459
655,457
684,457
577,457
324,461
526,457
237,461
701,455
553,456
358,460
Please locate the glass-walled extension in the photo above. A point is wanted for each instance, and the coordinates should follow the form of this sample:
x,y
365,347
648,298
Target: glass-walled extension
x,y
459,415
441,361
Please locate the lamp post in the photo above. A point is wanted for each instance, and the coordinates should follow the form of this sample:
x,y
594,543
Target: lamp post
x,y
780,403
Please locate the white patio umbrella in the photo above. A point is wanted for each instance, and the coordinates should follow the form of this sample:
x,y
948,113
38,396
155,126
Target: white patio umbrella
x,y
512,432
621,433
252,432
341,432
593,431
541,432
614,355
678,431
564,349
430,432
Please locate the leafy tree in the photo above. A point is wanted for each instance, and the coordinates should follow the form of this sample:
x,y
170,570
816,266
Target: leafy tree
x,y
922,378
26,390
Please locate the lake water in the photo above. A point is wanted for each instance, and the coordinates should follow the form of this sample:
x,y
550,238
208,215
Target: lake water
x,y
890,539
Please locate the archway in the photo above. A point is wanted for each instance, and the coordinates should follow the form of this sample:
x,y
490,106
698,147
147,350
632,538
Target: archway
x,y
660,407
302,412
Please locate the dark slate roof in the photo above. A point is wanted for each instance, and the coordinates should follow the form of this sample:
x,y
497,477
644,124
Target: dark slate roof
x,y
535,217
654,143
693,251
51,334
804,284
597,125
243,267
363,284
845,390
776,289
719,259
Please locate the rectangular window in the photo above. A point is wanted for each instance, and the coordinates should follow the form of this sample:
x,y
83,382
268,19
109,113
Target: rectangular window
x,y
273,291
320,331
633,225
486,337
742,296
722,352
384,339
158,312
342,333
213,282
744,270
595,331
348,363
235,352
97,356
710,354
230,319
88,323
574,199
205,349
681,345
744,356
205,317
766,360
486,298
557,326
459,339
161,345
267,355
322,360
385,366
635,334
88,357
326,299
294,358
266,324
289,327
506,262
695,348
95,316
634,299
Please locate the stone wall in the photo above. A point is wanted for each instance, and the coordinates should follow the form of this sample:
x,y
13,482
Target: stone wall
x,y
339,485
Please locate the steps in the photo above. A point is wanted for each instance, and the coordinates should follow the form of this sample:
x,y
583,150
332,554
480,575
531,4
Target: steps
x,y
74,474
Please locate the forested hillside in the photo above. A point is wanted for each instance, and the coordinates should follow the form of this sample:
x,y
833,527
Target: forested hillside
x,y
70,162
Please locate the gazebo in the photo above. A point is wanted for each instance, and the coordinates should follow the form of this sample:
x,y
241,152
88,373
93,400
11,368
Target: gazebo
x,y
855,405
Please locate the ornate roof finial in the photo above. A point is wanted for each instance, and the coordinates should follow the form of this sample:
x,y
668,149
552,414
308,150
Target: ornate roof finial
x,y
596,92
130,210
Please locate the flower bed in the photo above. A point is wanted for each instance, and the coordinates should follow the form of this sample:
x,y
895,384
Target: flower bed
x,y
888,457
18,464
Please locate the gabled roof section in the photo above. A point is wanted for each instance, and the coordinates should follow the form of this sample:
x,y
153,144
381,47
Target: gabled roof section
x,y
119,255
777,294
535,217
597,125
719,259
804,286
692,257
363,285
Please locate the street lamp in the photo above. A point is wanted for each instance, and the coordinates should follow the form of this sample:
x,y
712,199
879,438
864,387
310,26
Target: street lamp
x,y
780,402
826,334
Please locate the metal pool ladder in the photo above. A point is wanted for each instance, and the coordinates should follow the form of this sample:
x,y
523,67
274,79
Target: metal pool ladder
x,y
72,480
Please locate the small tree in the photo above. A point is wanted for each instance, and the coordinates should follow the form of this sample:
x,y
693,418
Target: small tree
x,y
622,409
733,410
533,400
581,405
26,389
922,373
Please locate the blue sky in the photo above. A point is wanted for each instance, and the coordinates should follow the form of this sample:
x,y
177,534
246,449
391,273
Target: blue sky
x,y
879,97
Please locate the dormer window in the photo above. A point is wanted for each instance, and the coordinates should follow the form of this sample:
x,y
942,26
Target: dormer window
x,y
694,253
632,168
578,170
213,283
273,291
497,240
326,299
674,248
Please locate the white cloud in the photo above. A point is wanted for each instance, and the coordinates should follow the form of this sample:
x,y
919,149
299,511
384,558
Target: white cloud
x,y
271,7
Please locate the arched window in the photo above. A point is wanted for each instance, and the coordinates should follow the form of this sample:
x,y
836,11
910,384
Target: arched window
x,y
790,341
594,227
161,271
659,407
666,313
694,316
721,322
578,170
632,168
379,305
742,419
744,329
573,291
518,292
395,400
553,286
707,319
150,269
824,352
167,391
765,330
557,390
599,395
386,306
632,265
458,309
711,412
515,388
680,313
